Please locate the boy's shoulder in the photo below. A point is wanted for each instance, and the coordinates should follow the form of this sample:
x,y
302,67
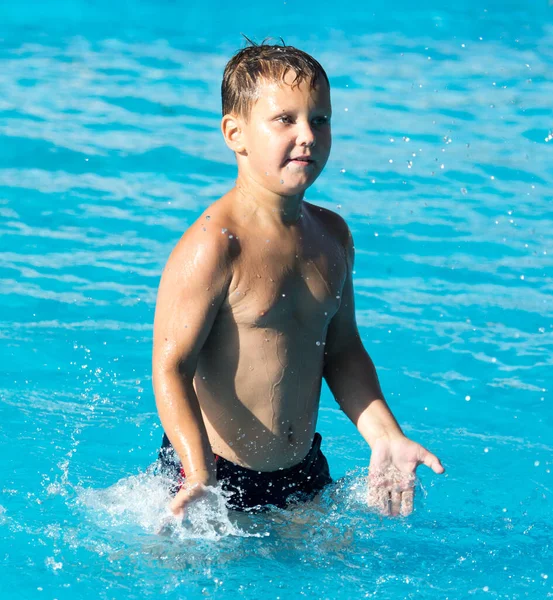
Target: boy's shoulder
x,y
209,238
333,222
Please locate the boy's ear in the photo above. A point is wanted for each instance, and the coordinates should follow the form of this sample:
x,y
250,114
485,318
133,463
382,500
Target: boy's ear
x,y
231,127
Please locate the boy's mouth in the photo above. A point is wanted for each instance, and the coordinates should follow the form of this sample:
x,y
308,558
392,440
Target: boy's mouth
x,y
302,160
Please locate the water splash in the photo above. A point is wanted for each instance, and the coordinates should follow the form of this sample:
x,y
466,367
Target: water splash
x,y
143,501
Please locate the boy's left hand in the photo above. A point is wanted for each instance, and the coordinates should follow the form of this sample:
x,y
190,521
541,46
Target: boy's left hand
x,y
392,473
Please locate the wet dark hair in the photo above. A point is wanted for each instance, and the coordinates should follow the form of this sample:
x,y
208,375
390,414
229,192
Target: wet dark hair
x,y
264,61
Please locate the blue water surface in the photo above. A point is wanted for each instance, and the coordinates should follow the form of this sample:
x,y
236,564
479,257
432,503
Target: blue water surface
x,y
442,165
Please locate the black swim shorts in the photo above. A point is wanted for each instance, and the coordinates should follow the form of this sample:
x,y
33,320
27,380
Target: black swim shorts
x,y
250,490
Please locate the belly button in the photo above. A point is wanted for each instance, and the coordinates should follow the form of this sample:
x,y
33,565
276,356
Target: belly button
x,y
290,434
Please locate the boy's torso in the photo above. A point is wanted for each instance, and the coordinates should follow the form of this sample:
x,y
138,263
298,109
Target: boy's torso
x,y
259,373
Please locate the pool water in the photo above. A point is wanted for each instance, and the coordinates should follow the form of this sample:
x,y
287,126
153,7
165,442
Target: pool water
x,y
442,166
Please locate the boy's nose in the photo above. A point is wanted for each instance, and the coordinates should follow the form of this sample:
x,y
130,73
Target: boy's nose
x,y
306,137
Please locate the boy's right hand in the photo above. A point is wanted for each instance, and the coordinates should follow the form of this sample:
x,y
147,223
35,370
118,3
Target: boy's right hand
x,y
190,492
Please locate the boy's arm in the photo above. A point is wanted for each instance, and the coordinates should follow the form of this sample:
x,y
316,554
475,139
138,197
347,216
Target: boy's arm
x,y
349,370
351,376
193,286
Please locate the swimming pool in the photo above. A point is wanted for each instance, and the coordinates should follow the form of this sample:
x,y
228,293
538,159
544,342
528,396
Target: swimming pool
x,y
441,164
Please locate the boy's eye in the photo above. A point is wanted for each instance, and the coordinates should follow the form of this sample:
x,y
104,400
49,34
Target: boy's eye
x,y
317,121
321,120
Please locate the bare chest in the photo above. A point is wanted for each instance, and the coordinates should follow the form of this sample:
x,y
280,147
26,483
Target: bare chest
x,y
278,287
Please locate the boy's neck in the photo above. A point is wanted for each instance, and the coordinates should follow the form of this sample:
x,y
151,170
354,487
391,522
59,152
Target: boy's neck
x,y
286,210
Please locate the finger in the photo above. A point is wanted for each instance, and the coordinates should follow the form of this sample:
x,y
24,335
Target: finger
x,y
373,496
378,497
385,503
432,461
179,502
395,501
407,501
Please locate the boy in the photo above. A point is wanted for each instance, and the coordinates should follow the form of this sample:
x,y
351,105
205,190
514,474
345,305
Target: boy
x,y
256,306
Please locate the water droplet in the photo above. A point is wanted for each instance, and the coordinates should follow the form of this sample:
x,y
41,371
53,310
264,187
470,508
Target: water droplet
x,y
282,181
463,191
224,230
318,343
342,170
207,217
467,398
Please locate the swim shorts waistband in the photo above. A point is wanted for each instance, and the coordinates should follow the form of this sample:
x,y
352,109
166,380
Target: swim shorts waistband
x,y
252,490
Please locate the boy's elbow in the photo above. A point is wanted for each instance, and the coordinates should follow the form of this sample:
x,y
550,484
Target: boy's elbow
x,y
170,367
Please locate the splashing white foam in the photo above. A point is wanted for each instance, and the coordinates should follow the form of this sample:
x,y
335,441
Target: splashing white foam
x,y
143,501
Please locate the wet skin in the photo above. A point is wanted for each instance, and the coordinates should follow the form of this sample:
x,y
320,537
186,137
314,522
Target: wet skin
x,y
256,306
259,373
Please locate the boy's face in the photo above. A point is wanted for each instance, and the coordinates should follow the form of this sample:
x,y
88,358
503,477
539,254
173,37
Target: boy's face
x,y
287,136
